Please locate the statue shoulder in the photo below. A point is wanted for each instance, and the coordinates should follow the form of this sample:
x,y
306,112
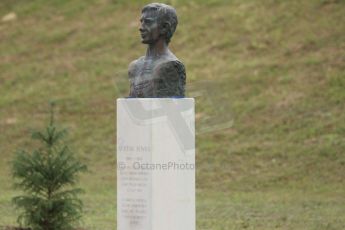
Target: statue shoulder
x,y
174,64
171,67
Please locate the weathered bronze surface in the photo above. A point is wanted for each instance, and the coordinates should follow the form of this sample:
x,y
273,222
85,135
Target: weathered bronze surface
x,y
159,73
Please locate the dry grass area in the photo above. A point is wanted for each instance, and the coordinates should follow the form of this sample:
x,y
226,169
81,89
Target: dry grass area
x,y
268,76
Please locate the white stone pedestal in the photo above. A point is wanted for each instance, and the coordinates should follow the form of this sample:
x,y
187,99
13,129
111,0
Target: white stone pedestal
x,y
156,164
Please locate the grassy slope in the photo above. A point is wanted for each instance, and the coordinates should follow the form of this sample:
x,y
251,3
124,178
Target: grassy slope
x,y
279,66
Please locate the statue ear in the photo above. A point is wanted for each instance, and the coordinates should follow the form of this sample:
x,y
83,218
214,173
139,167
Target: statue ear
x,y
165,28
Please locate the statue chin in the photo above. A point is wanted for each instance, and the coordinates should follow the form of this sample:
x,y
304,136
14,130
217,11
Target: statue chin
x,y
147,42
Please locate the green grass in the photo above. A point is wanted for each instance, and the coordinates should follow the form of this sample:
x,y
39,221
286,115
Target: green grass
x,y
276,69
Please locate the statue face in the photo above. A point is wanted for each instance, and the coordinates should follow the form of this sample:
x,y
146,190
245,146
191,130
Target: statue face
x,y
149,28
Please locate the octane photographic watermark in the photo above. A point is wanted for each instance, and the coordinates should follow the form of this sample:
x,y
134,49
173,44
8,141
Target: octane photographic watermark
x,y
145,166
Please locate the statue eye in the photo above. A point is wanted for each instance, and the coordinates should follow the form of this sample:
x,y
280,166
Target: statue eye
x,y
148,20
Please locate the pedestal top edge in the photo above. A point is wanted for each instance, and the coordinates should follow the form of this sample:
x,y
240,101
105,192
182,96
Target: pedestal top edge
x,y
158,99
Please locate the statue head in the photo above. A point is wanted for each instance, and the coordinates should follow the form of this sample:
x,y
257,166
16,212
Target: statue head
x,y
158,21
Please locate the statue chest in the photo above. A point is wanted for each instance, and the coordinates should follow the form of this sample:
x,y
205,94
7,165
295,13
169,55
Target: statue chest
x,y
145,80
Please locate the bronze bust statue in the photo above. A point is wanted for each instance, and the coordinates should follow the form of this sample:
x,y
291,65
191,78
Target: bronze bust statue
x,y
159,73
